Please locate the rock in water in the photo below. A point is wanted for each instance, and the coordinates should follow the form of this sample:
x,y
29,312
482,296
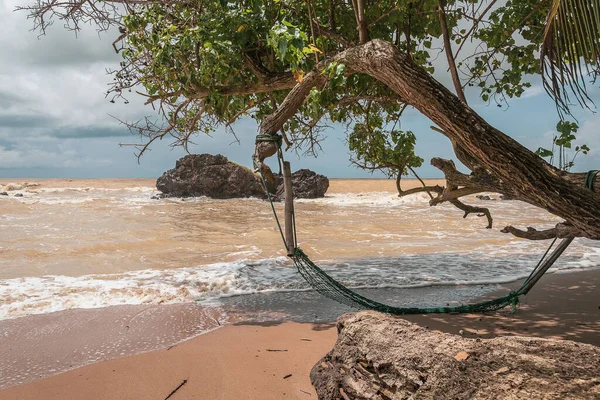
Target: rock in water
x,y
209,175
307,184
383,357
217,177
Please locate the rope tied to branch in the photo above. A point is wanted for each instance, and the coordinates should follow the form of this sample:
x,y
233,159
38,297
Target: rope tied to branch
x,y
269,137
589,179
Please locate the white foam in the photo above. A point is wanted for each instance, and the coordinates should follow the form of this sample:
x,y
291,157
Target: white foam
x,y
34,295
86,189
369,199
9,187
132,196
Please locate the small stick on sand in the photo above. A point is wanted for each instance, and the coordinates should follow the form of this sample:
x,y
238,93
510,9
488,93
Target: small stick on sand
x,y
276,350
176,389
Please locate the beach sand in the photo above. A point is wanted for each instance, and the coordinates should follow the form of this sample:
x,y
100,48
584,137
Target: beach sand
x,y
235,361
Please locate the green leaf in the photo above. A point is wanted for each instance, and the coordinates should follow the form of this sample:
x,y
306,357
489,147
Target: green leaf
x,y
544,152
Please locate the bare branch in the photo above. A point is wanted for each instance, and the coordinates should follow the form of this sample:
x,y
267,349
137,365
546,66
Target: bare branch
x,y
474,26
445,194
562,230
480,211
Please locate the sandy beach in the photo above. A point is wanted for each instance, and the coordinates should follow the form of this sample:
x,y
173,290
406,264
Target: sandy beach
x,y
273,360
106,293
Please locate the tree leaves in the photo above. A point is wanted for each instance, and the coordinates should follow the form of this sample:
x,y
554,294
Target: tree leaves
x,y
560,143
192,53
570,51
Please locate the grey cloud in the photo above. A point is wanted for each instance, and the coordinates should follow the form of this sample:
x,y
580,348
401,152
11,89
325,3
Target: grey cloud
x,y
25,121
89,132
57,47
8,99
49,51
15,128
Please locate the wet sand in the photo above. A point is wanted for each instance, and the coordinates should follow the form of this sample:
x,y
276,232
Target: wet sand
x,y
235,362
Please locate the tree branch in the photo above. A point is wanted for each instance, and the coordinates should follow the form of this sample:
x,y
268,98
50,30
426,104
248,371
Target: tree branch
x,y
359,12
449,55
294,99
480,211
268,83
445,194
510,167
561,230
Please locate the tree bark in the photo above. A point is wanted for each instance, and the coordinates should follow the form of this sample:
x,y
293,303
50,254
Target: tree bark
x,y
527,175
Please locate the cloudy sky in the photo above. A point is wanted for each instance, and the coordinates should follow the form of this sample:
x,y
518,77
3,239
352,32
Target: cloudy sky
x,y
54,119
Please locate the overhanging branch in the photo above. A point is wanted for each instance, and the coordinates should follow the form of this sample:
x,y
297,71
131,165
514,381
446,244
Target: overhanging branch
x,y
561,230
507,165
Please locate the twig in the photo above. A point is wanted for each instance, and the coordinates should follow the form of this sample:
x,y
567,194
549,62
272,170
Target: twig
x,y
287,376
276,350
176,389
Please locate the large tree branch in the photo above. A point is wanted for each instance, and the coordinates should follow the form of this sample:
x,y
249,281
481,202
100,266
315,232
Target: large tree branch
x,y
514,167
530,177
295,98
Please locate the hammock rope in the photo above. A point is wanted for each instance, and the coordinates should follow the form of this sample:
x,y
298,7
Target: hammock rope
x,y
324,284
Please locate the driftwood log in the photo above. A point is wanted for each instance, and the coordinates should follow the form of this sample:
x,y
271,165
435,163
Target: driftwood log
x,y
382,357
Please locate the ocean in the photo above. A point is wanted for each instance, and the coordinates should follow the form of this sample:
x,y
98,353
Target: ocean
x,y
90,243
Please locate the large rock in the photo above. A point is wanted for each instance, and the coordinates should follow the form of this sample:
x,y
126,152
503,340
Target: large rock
x,y
215,176
382,357
209,175
307,184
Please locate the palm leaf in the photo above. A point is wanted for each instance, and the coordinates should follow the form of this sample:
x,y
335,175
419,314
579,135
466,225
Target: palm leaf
x,y
570,52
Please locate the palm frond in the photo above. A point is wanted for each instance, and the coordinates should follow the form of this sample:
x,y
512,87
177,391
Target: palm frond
x,y
570,51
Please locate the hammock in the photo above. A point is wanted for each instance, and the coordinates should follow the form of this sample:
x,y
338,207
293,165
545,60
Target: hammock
x,y
334,290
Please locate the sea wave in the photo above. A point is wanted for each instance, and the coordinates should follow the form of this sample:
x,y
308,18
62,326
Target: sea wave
x,y
86,189
370,199
35,295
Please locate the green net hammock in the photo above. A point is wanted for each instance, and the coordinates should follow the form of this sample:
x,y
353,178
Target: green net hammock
x,y
324,284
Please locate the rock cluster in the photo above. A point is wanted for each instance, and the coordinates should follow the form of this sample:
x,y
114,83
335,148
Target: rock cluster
x,y
216,177
384,357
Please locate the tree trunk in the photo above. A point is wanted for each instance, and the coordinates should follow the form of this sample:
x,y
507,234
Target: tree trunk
x,y
528,176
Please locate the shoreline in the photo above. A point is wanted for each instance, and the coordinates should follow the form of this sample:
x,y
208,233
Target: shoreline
x,y
562,305
337,185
